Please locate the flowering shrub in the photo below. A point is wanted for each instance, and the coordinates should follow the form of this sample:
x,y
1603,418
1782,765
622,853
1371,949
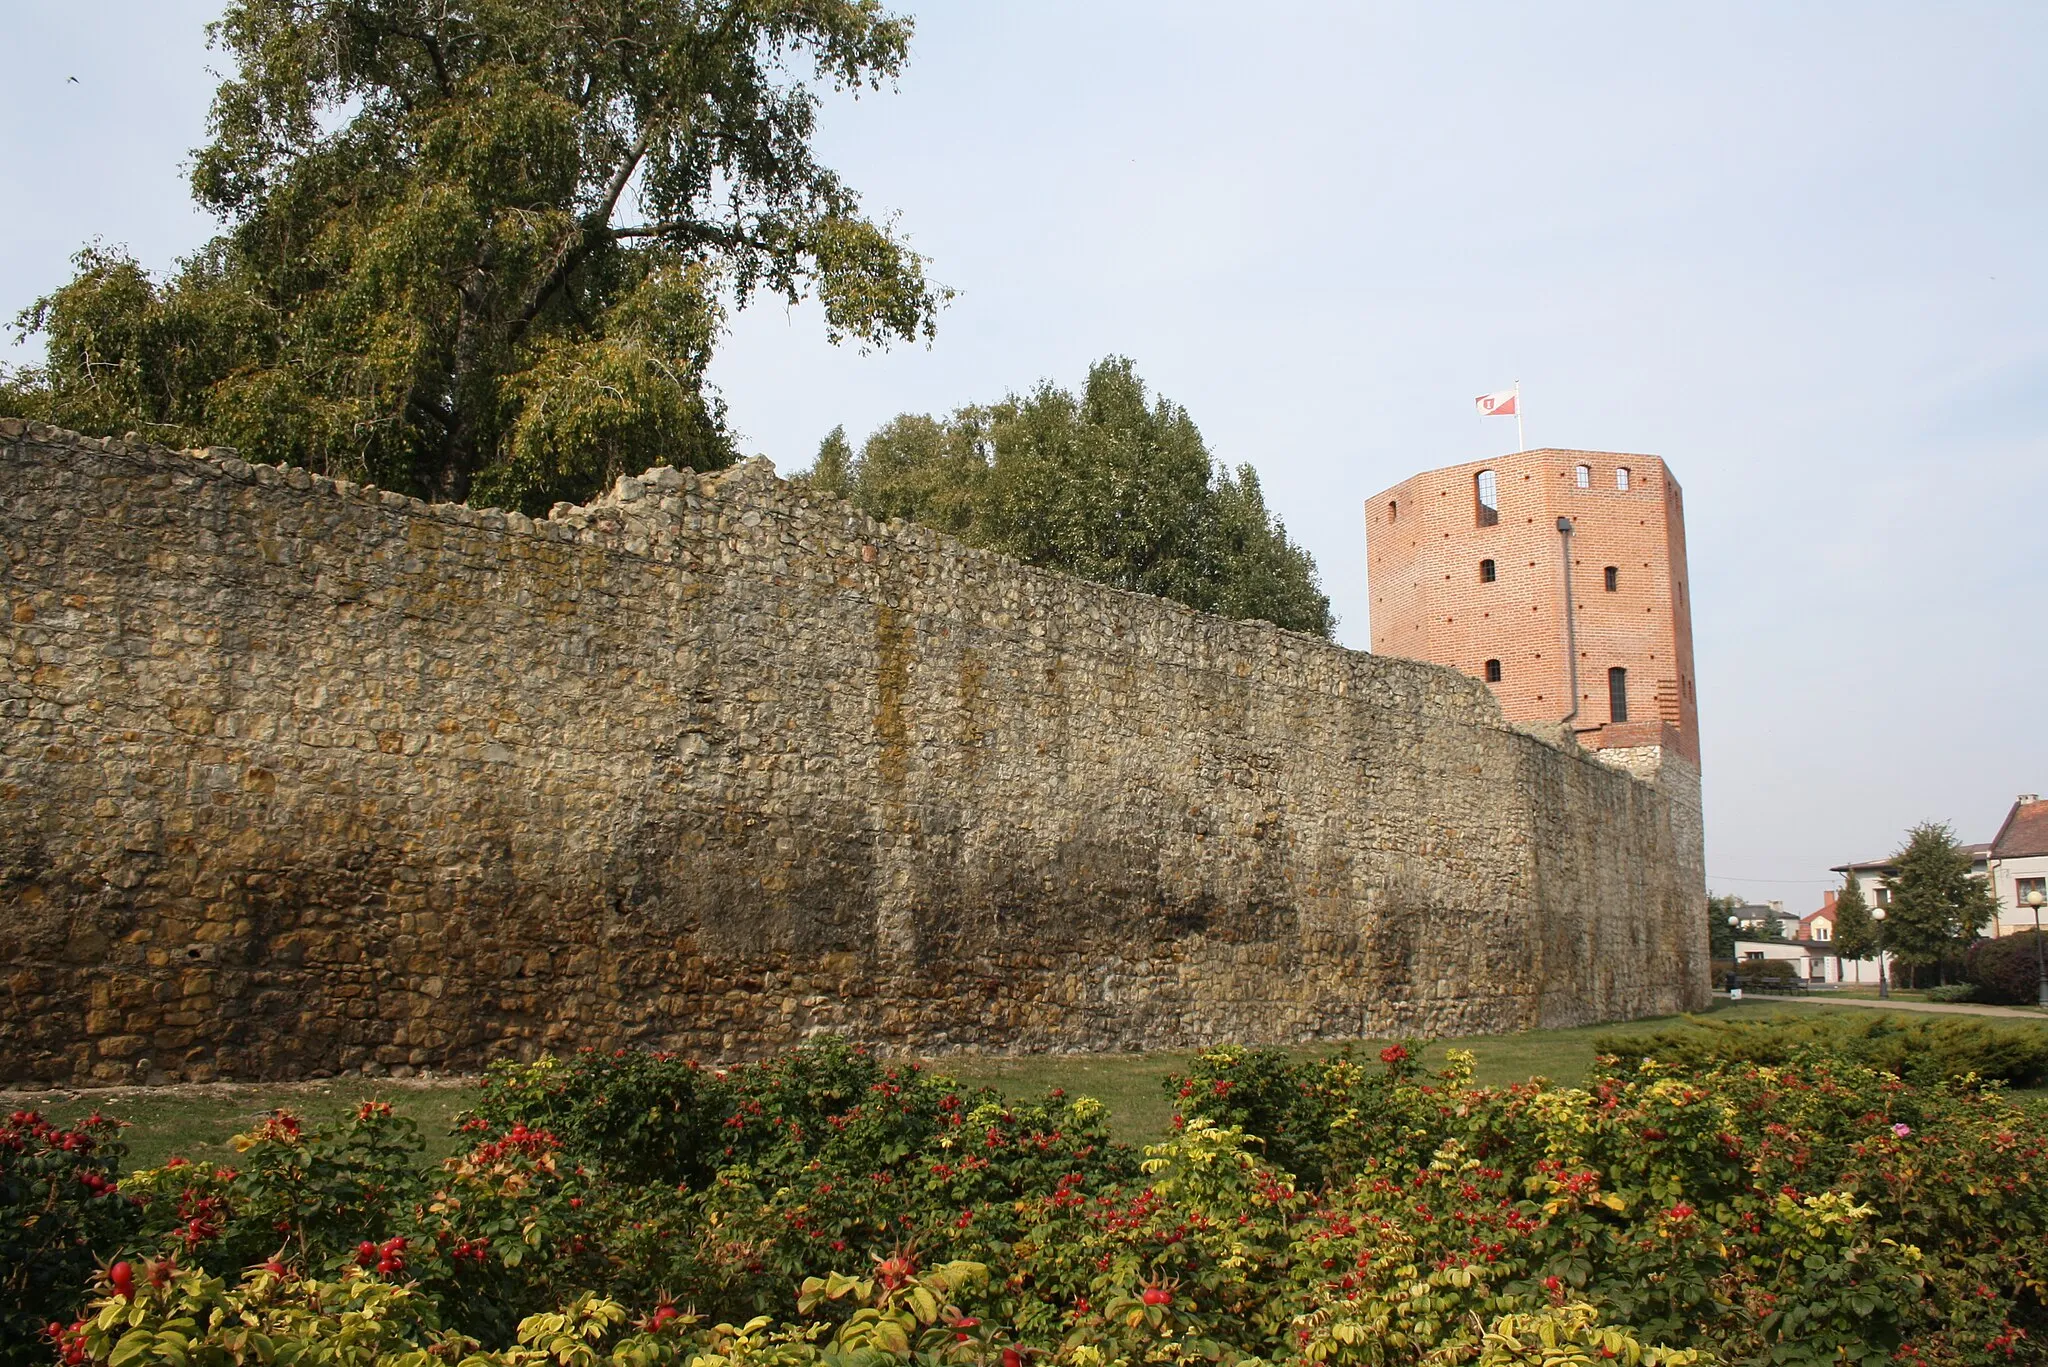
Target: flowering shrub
x,y
822,1158
1809,1213
500,1231
1921,1051
60,1211
271,1316
828,1207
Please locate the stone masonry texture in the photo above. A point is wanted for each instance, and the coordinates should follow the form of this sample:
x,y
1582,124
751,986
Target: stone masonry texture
x,y
298,777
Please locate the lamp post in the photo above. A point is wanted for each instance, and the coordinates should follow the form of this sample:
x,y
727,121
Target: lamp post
x,y
1884,989
2037,899
1734,973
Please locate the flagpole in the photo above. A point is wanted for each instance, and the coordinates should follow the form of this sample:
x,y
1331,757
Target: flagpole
x,y
1521,442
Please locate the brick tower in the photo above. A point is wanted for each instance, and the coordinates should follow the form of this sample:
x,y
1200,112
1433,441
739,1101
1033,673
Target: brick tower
x,y
1468,567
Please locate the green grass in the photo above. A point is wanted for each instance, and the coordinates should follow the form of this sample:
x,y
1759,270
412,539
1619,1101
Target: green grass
x,y
197,1122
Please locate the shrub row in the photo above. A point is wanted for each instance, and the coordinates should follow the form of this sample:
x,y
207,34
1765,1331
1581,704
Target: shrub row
x,y
829,1207
1926,1051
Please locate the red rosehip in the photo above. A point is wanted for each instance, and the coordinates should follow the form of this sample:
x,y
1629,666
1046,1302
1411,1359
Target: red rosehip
x,y
121,1276
1012,1358
1156,1295
366,1254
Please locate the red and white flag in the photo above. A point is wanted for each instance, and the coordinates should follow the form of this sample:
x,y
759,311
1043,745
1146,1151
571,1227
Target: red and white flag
x,y
1501,405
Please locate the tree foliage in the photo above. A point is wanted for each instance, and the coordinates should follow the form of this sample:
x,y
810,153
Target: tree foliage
x,y
1937,906
1721,935
1109,484
1855,932
480,248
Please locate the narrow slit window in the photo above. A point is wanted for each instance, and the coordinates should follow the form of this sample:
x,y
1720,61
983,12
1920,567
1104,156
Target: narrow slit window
x,y
1617,694
1621,477
1392,510
1493,671
1613,578
1486,574
1585,474
1487,494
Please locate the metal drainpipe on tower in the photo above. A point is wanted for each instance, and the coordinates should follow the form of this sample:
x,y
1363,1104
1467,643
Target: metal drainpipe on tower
x,y
1571,627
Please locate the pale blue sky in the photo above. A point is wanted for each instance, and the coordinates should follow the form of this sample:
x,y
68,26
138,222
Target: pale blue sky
x,y
1796,250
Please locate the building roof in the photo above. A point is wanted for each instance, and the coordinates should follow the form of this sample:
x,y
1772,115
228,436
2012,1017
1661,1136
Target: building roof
x,y
2025,831
1979,850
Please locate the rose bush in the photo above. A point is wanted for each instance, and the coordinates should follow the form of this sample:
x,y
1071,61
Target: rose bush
x,y
830,1207
61,1210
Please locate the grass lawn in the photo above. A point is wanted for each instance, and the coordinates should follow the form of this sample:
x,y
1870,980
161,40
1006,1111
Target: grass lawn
x,y
197,1121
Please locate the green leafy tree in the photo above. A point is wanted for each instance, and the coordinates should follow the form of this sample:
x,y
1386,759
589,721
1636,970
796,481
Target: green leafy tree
x,y
480,248
1855,932
1109,484
929,470
1938,907
832,472
1721,935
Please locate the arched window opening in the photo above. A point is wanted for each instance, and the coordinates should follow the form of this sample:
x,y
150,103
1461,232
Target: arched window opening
x,y
1493,671
1585,473
1392,510
1487,494
1617,694
1486,575
1613,578
1621,477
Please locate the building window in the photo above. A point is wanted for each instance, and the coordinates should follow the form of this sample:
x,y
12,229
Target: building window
x,y
1621,477
1613,578
1617,694
1493,671
1487,494
1585,474
1486,572
1821,933
1884,897
1392,509
2021,887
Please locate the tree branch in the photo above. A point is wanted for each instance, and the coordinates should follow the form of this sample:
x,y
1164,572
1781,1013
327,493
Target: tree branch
x,y
602,213
696,232
578,243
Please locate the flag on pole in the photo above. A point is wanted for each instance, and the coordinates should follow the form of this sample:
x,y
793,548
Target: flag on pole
x,y
1501,405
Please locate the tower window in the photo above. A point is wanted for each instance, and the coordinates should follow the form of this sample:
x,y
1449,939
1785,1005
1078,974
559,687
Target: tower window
x,y
1617,694
1392,509
1621,477
1487,494
1585,474
1493,671
1486,575
1613,578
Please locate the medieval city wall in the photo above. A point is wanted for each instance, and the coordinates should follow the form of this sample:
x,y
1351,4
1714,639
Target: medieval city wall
x,y
298,776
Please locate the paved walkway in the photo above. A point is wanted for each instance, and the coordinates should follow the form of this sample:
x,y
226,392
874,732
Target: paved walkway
x,y
1894,1004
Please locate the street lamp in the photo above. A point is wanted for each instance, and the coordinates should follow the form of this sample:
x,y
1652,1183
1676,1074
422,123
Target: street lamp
x,y
2037,899
1884,989
1735,970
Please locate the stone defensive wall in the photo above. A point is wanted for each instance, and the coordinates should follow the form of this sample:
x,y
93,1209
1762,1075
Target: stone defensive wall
x,y
298,777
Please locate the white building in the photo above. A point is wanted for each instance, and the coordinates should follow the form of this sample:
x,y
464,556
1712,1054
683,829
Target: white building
x,y
1806,942
2019,864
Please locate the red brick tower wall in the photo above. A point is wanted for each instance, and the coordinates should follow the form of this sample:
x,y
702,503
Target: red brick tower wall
x,y
1426,540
